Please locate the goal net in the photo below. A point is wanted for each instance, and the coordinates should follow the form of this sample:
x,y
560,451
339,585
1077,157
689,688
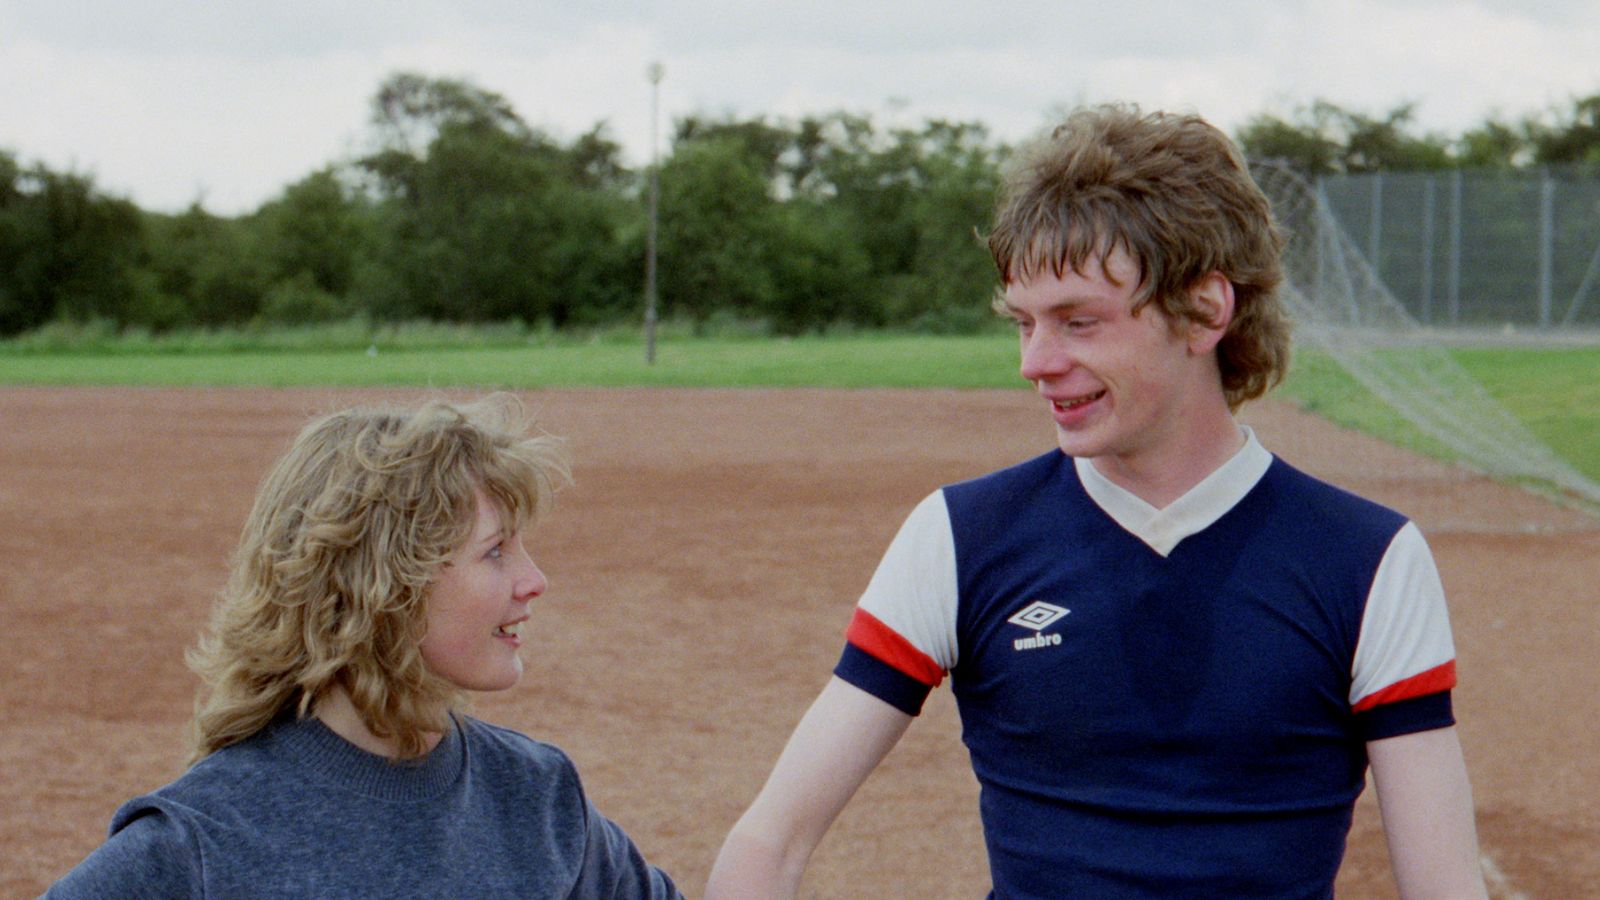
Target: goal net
x,y
1341,309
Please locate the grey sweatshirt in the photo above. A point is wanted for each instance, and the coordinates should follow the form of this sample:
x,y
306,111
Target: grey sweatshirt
x,y
297,811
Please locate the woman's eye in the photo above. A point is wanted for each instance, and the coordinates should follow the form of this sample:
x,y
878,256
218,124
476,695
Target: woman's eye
x,y
497,551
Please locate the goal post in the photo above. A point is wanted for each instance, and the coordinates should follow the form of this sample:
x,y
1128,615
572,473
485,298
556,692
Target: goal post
x,y
1342,309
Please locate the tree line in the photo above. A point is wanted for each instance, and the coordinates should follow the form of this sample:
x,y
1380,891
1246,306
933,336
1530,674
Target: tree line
x,y
463,212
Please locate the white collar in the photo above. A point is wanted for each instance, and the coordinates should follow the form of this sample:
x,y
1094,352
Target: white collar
x,y
1203,504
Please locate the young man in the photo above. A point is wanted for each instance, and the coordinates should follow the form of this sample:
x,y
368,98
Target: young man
x,y
1174,655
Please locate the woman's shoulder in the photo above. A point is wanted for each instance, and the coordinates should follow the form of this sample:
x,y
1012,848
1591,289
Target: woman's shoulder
x,y
499,745
211,787
515,778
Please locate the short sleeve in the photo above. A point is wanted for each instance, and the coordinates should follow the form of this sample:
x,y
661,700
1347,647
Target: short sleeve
x,y
1405,657
902,637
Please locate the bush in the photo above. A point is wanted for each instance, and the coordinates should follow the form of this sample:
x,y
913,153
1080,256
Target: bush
x,y
299,301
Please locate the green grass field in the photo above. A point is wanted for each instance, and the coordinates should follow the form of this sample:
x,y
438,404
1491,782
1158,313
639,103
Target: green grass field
x,y
847,362
1555,392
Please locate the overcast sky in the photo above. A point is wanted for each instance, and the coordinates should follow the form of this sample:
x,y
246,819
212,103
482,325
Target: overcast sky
x,y
227,102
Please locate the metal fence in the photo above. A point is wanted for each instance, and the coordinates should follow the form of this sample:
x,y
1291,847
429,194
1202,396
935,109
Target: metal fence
x,y
1480,247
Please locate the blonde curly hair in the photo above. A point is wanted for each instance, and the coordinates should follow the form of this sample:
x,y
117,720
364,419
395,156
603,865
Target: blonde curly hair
x,y
332,572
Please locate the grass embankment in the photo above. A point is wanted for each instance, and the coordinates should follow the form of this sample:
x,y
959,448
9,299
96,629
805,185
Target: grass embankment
x,y
846,362
1555,392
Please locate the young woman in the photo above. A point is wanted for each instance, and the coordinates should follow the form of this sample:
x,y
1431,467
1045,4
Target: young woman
x,y
381,574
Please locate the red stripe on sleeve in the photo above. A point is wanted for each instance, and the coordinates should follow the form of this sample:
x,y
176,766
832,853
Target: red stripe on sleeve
x,y
884,644
1439,678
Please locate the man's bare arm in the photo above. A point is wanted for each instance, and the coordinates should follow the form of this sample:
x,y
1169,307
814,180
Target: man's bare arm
x,y
838,743
1422,786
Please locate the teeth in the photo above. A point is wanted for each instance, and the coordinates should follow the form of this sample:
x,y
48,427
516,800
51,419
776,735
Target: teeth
x,y
509,630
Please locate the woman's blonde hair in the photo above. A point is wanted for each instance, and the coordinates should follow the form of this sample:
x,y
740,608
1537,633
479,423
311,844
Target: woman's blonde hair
x,y
332,572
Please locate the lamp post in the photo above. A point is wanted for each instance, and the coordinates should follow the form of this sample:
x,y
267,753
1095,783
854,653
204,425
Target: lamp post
x,y
654,73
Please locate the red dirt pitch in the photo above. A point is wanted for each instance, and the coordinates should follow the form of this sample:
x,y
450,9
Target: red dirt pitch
x,y
703,569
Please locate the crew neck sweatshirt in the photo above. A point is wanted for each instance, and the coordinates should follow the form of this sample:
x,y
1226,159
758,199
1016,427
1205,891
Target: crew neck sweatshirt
x,y
297,811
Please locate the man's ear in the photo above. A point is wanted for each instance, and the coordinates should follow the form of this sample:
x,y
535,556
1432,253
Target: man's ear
x,y
1212,298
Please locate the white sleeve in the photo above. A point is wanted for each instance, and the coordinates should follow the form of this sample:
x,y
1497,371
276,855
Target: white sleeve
x,y
1404,649
913,591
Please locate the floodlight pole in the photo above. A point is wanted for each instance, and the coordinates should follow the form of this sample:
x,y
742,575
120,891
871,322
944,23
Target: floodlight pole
x,y
654,72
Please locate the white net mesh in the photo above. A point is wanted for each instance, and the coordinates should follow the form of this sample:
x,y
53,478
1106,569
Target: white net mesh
x,y
1341,309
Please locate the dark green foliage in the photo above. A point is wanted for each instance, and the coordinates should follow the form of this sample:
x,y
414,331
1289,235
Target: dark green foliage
x,y
820,276
1494,144
1325,138
462,212
484,219
207,266
718,227
1573,138
828,222
1303,145
66,251
312,234
300,300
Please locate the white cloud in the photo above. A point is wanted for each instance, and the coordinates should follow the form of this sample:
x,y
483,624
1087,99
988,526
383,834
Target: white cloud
x,y
1458,63
235,99
186,126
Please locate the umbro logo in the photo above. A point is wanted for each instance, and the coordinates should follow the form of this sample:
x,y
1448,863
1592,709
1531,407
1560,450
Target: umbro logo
x,y
1038,615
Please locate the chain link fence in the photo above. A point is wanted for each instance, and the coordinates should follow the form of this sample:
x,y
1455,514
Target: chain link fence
x,y
1342,308
1479,248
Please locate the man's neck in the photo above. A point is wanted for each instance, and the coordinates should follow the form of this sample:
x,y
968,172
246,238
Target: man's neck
x,y
1167,472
